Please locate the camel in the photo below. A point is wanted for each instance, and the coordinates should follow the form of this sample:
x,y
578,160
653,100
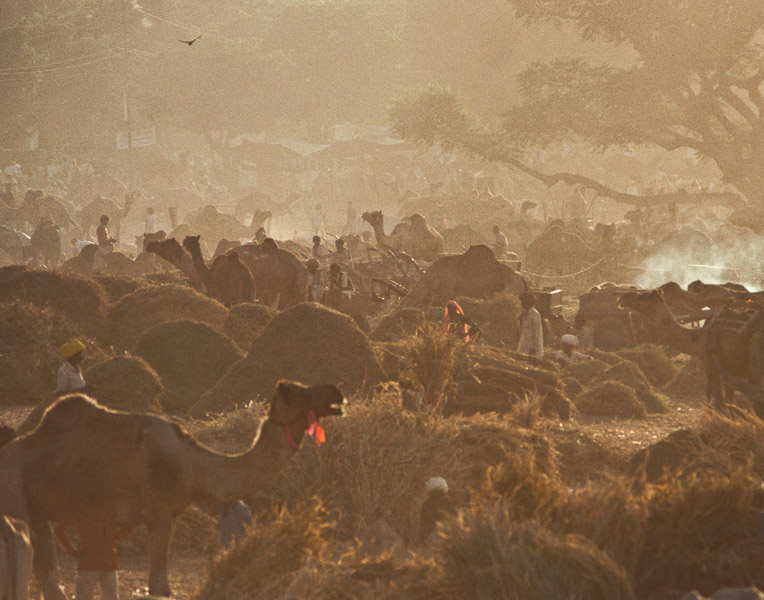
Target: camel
x,y
733,355
278,273
226,280
560,251
214,225
16,557
36,207
91,213
85,462
475,274
176,255
12,245
412,236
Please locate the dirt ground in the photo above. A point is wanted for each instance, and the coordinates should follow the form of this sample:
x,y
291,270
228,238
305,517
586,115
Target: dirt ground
x,y
186,572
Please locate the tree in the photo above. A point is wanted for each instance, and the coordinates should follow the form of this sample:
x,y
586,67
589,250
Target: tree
x,y
696,82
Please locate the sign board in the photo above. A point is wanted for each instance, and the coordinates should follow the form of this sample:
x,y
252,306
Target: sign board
x,y
141,138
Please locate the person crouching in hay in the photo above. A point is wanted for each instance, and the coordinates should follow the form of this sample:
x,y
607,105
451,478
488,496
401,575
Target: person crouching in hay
x,y
567,355
70,377
436,508
456,323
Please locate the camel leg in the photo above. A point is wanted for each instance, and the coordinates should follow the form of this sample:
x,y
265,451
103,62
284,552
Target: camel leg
x,y
46,561
160,530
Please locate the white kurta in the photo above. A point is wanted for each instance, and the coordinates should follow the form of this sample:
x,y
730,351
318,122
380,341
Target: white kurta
x,y
531,334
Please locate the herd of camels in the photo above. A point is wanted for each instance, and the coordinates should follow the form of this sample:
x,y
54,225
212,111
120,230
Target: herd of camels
x,y
130,469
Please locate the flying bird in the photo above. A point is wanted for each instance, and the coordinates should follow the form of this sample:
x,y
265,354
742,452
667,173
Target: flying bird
x,y
189,42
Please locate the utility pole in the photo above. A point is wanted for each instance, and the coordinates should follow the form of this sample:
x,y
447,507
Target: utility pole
x,y
126,100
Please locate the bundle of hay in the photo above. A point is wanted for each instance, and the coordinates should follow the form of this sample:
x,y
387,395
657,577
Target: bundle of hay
x,y
488,555
629,374
654,361
80,300
125,383
689,382
585,371
308,343
262,564
610,399
398,324
30,339
681,450
146,307
488,379
245,322
190,357
117,287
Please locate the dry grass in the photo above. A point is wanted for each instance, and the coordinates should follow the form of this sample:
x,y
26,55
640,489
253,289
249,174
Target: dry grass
x,y
82,301
146,307
398,325
308,343
585,371
246,322
431,358
610,399
496,317
190,357
689,382
117,286
654,361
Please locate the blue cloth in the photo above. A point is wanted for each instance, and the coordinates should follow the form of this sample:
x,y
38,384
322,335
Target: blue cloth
x,y
233,519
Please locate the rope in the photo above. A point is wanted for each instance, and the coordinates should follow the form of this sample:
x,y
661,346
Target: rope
x,y
568,276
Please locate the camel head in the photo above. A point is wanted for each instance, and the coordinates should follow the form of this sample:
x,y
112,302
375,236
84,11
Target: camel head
x,y
298,408
168,249
373,218
643,302
191,244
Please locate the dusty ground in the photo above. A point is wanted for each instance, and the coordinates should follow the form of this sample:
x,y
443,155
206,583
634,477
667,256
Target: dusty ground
x,y
625,436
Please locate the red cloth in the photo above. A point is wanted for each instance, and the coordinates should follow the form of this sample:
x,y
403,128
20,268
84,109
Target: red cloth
x,y
464,333
97,551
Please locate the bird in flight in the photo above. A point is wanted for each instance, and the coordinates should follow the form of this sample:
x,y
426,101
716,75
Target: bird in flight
x,y
189,42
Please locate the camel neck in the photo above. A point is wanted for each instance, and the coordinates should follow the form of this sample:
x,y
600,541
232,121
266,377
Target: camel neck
x,y
222,478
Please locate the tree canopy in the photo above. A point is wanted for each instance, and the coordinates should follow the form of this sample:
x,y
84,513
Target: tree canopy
x,y
696,82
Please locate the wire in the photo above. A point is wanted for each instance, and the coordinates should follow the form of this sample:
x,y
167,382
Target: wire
x,y
70,62
29,77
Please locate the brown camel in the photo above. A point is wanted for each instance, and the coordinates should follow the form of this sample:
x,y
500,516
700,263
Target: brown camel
x,y
16,557
731,343
176,255
559,251
213,225
279,275
412,236
227,280
475,274
88,463
46,243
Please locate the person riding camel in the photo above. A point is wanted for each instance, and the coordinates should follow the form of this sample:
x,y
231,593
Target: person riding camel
x,y
105,244
531,330
568,355
70,377
456,323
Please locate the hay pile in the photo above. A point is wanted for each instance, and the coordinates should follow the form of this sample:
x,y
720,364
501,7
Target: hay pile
x,y
487,379
308,343
125,383
610,399
245,322
585,371
262,565
630,375
689,382
80,300
496,317
654,361
488,555
188,356
146,307
117,287
398,325
30,339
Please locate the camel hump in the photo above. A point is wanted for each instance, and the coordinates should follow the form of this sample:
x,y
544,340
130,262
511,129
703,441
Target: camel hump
x,y
71,409
234,256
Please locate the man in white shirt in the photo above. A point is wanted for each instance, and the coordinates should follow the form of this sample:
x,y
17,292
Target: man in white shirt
x,y
70,377
531,330
568,355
